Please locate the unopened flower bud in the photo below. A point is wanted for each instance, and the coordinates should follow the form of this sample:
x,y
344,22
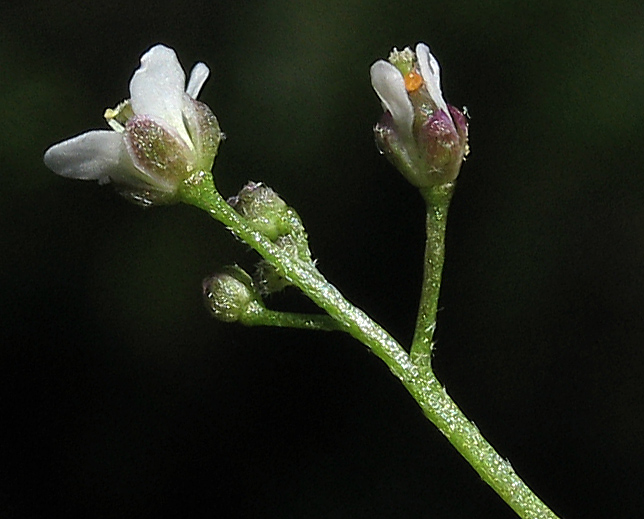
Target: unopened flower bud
x,y
231,296
420,134
278,222
159,137
267,278
266,210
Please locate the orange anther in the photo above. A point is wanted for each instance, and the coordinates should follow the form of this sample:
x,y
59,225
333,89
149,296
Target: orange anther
x,y
413,81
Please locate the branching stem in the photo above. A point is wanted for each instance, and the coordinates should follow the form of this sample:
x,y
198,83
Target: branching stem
x,y
419,379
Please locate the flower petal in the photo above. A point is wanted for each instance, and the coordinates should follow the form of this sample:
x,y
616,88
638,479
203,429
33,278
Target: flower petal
x,y
198,76
157,87
95,155
389,84
431,73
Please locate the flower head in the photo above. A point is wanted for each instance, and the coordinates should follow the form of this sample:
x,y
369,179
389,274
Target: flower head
x,y
423,136
158,137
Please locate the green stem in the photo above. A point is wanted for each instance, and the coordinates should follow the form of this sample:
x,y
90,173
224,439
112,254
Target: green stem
x,y
495,470
200,191
437,201
421,383
265,317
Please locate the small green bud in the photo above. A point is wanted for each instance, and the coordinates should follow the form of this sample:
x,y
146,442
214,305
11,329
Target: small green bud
x,y
231,295
268,279
265,209
266,276
278,222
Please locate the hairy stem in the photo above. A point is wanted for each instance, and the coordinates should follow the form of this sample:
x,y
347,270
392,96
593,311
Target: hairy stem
x,y
437,201
421,383
199,191
266,317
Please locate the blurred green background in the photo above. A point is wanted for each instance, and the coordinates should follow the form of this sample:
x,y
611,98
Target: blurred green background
x,y
121,397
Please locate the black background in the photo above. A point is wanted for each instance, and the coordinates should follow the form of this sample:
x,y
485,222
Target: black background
x,y
121,397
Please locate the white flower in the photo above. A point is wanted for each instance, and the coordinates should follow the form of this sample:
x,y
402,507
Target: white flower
x,y
393,90
158,138
423,136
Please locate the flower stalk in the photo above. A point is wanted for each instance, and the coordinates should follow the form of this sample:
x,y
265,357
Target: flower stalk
x,y
437,201
232,296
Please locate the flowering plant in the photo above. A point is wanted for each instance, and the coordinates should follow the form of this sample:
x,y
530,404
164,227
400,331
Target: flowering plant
x,y
161,149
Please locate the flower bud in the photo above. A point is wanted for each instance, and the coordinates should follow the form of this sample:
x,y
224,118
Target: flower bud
x,y
419,133
267,279
278,222
264,208
231,296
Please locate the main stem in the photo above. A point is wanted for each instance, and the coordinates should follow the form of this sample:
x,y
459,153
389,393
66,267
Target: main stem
x,y
421,383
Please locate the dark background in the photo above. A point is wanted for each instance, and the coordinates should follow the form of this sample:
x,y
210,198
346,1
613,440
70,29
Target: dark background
x,y
121,397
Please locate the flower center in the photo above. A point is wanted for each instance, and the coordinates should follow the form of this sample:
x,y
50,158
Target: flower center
x,y
413,81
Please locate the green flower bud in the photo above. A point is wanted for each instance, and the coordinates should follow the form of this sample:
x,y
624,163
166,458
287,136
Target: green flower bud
x,y
230,295
266,210
271,216
268,280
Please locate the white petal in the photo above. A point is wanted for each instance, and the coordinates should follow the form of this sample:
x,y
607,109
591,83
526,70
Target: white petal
x,y
157,87
95,155
431,73
389,84
198,76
